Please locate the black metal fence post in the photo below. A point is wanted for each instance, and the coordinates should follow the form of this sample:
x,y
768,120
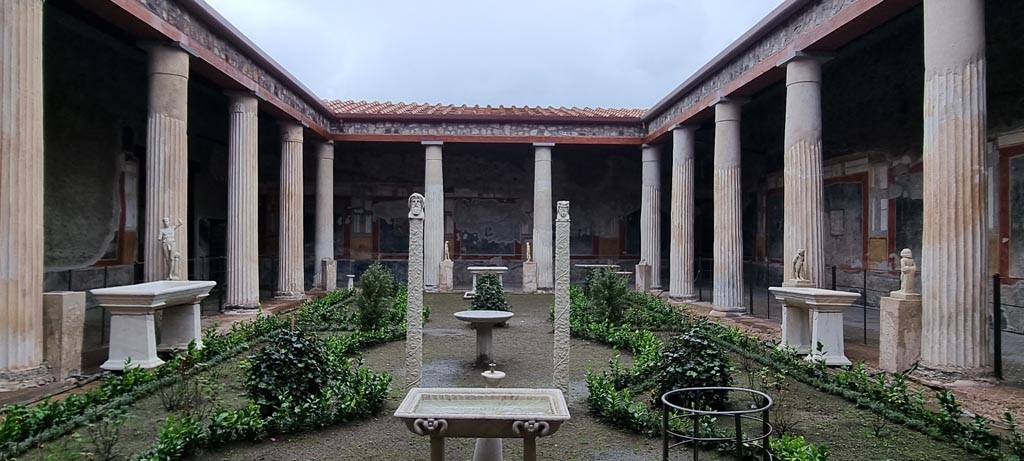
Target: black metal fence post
x,y
864,310
750,289
997,320
833,278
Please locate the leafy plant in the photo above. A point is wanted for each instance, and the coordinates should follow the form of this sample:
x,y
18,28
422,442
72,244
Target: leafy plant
x,y
376,296
607,293
691,360
290,366
242,424
178,438
790,448
489,295
1015,439
103,435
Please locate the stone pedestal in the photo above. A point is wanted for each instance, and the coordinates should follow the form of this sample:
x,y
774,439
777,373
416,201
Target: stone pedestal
x,y
351,281
542,215
681,254
433,221
414,312
166,158
899,335
291,276
132,327
64,324
323,247
329,269
955,337
812,316
727,292
21,194
650,213
446,277
530,277
243,284
643,278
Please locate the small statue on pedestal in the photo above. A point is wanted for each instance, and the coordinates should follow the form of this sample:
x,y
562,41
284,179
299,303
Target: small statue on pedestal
x,y
908,272
168,243
447,255
799,266
529,252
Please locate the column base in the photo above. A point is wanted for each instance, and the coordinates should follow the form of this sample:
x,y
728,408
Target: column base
x,y
949,375
242,308
687,298
26,378
727,311
289,295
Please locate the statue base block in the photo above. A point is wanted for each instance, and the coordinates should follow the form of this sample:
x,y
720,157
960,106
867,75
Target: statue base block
x,y
529,277
899,333
446,278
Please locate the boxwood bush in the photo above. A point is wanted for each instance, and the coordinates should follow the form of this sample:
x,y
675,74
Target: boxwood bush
x,y
489,295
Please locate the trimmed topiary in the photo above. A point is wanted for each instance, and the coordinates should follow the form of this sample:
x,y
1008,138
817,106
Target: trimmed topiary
x,y
608,293
489,295
692,360
292,365
375,298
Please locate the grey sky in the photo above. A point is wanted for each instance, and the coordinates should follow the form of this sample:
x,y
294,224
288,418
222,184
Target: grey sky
x,y
608,53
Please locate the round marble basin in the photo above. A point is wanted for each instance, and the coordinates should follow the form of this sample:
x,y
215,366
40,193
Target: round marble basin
x,y
484,321
492,317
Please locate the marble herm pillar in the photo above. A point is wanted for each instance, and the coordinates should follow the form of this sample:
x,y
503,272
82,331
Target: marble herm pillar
x,y
243,284
166,159
650,212
433,221
727,295
804,199
324,245
562,304
681,256
542,230
291,278
954,269
21,194
414,308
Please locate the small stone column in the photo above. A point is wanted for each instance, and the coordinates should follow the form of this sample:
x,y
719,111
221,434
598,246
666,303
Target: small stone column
x,y
954,269
291,277
650,213
243,284
542,214
166,158
324,245
727,297
804,199
681,252
561,371
414,312
21,194
64,323
433,222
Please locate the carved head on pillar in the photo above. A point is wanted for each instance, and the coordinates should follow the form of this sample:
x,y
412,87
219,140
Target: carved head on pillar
x,y
416,206
562,211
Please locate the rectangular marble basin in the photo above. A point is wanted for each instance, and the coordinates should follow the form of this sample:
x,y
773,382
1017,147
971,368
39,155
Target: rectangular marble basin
x,y
484,412
153,295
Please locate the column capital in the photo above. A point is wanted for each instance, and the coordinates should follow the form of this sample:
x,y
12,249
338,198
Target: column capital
x,y
819,57
432,143
543,144
326,151
242,101
171,58
650,153
728,109
291,131
685,127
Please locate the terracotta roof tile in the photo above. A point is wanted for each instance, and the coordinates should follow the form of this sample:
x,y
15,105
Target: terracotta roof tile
x,y
355,109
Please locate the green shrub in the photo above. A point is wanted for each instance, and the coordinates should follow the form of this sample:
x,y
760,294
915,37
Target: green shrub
x,y
230,425
489,295
177,439
376,297
789,448
292,364
691,360
607,292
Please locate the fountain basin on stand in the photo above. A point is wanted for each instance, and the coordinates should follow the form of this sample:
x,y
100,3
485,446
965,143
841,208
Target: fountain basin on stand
x,y
484,321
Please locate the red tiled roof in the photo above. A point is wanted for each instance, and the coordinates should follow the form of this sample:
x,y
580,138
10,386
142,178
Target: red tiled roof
x,y
377,110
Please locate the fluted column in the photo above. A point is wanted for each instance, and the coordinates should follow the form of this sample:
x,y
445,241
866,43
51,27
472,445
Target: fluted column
x,y
650,212
681,256
167,162
954,270
243,284
542,229
291,283
804,199
324,244
21,193
727,297
433,223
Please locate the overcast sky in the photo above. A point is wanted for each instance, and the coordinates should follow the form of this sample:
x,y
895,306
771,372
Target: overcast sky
x,y
607,53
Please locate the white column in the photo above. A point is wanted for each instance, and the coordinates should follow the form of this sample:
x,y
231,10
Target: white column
x,y
291,281
681,252
433,222
804,199
324,244
243,284
21,194
166,159
650,212
727,296
542,229
954,270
